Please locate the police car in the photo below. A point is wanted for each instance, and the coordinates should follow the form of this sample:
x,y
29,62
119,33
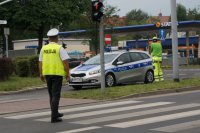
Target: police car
x,y
120,67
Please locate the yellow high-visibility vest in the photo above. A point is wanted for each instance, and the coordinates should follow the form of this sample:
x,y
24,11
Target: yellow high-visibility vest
x,y
51,61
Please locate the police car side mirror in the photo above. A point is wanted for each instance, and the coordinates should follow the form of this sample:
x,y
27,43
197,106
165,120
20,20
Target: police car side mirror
x,y
119,63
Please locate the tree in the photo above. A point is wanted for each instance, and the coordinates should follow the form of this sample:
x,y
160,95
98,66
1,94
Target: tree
x,y
85,22
40,15
110,11
136,17
181,12
193,14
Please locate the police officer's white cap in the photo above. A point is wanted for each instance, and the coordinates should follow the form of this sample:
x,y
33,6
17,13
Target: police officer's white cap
x,y
52,32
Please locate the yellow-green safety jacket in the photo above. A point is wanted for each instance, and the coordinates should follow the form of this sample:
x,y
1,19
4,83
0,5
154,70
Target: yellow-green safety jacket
x,y
51,61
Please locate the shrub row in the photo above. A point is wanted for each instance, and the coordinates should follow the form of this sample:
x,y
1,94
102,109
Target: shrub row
x,y
27,66
6,68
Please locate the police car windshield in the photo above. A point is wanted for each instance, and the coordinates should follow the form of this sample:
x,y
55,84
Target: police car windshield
x,y
96,59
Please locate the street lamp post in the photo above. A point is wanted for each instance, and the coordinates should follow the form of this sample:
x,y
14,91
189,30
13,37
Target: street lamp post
x,y
174,41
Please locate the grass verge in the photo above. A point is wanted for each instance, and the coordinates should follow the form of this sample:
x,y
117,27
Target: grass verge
x,y
17,83
119,91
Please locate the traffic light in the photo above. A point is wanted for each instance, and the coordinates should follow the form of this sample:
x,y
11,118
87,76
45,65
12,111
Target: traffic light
x,y
97,10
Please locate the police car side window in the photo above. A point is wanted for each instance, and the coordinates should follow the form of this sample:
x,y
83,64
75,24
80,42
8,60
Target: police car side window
x,y
144,56
135,56
125,58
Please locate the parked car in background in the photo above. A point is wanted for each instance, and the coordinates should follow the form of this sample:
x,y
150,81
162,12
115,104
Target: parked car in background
x,y
120,67
73,62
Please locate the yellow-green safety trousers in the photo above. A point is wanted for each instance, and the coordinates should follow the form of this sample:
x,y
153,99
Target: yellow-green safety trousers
x,y
158,73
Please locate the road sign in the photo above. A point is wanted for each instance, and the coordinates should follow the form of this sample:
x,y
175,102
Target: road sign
x,y
3,21
107,39
162,34
158,24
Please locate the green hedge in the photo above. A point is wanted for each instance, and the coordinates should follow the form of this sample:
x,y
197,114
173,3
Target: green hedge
x,y
6,68
33,66
22,67
27,66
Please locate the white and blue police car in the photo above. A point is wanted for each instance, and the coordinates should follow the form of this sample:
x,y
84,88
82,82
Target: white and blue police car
x,y
120,67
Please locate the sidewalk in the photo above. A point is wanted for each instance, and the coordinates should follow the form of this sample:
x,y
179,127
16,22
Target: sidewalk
x,y
22,105
36,104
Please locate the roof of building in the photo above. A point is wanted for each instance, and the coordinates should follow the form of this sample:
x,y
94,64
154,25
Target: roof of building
x,y
182,26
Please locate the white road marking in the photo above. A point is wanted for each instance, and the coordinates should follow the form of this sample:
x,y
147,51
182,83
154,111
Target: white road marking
x,y
179,127
73,109
106,111
80,129
155,119
134,114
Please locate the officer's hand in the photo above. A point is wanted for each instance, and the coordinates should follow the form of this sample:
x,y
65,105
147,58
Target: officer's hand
x,y
67,78
42,78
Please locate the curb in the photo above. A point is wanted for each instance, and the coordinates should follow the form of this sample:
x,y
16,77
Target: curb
x,y
151,93
26,89
158,92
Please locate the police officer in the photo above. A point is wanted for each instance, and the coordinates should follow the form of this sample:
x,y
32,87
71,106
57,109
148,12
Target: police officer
x,y
156,53
53,66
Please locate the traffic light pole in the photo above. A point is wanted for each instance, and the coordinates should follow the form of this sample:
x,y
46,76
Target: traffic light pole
x,y
101,35
174,41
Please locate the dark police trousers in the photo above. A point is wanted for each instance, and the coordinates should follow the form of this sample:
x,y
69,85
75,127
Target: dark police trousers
x,y
54,84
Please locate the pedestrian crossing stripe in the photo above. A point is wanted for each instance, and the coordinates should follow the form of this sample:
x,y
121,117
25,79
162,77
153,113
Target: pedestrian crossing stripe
x,y
134,114
117,108
178,127
112,110
111,104
156,119
80,129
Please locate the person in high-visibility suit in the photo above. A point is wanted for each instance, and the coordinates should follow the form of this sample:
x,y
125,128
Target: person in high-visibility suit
x,y
156,53
53,66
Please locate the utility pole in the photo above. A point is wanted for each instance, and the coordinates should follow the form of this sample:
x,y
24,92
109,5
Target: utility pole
x,y
174,41
101,35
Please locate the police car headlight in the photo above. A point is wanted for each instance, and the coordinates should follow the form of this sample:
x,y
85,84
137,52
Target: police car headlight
x,y
94,72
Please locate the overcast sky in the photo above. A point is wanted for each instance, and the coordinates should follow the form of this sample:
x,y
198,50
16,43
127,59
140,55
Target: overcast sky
x,y
152,7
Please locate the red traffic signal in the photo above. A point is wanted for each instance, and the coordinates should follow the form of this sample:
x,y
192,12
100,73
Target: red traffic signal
x,y
97,10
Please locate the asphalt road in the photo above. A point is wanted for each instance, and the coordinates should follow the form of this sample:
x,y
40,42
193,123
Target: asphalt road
x,y
171,113
168,74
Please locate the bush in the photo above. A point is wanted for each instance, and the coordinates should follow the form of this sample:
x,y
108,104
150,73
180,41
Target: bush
x,y
6,68
33,66
22,67
15,63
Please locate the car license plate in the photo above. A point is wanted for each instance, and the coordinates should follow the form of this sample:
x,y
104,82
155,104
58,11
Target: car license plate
x,y
77,79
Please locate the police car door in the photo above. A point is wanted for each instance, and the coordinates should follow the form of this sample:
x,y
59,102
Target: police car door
x,y
122,71
137,67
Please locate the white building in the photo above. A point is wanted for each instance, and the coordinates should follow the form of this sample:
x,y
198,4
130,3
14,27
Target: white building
x,y
81,45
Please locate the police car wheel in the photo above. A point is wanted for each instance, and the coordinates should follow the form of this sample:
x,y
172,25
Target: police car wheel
x,y
77,87
149,77
110,80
